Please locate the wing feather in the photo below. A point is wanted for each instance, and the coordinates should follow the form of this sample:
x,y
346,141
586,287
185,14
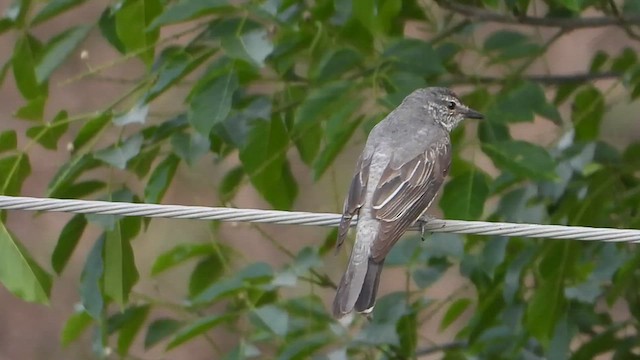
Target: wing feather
x,y
405,191
355,197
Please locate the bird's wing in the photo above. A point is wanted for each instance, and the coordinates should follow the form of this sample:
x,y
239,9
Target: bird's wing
x,y
355,198
405,191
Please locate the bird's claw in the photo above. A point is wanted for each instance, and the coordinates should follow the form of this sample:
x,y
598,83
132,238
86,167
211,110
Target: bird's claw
x,y
422,222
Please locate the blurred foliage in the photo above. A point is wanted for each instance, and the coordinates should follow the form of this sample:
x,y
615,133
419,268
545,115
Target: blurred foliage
x,y
273,80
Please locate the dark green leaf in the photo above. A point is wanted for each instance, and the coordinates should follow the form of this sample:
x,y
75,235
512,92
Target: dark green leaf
x,y
107,25
264,160
8,140
24,68
58,50
120,273
76,324
136,115
160,179
54,8
425,277
255,273
49,134
131,21
14,170
230,184
175,65
33,109
190,9
19,273
160,329
321,102
179,254
141,163
411,54
598,60
206,272
134,318
190,147
453,313
523,159
491,131
67,241
587,112
510,45
91,294
625,60
90,129
304,346
339,130
519,104
69,172
334,64
464,196
118,155
198,328
210,102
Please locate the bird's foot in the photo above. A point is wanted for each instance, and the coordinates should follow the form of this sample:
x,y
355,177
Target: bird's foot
x,y
422,222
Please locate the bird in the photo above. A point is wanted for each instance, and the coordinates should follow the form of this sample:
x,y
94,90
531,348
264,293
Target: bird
x,y
405,160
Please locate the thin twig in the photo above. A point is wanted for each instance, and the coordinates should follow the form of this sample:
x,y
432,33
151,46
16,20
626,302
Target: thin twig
x,y
542,79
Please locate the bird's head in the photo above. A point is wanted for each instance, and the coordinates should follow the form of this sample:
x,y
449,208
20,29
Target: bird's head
x,y
443,106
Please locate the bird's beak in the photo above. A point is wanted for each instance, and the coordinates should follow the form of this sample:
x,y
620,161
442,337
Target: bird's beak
x,y
472,114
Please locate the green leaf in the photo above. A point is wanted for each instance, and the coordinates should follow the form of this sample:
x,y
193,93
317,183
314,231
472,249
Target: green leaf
x,y
131,22
334,64
19,273
67,241
190,9
120,273
198,328
58,50
14,169
190,147
519,104
69,172
54,8
252,46
453,313
256,273
544,308
304,346
179,254
91,294
90,129
264,160
320,103
411,55
508,45
133,319
274,318
587,112
141,163
119,154
136,115
160,179
523,159
230,184
338,132
174,66
24,68
425,277
160,329
206,272
33,109
107,24
464,196
75,325
8,140
210,102
49,134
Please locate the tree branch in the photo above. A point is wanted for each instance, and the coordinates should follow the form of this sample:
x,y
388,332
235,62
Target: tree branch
x,y
565,23
543,79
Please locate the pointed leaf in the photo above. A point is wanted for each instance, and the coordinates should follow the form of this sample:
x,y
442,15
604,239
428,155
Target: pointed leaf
x,y
14,169
136,115
160,179
464,196
67,241
522,159
211,102
8,140
206,272
76,324
131,25
198,328
453,313
179,254
24,68
91,294
160,329
190,147
120,273
134,318
58,50
69,172
90,129
189,9
19,273
54,8
49,134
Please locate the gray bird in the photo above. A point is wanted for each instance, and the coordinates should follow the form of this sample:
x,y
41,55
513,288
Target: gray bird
x,y
401,169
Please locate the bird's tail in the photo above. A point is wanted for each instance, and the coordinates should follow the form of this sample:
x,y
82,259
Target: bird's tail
x,y
358,287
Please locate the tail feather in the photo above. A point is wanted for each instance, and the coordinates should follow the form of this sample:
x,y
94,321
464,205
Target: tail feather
x,y
358,287
367,298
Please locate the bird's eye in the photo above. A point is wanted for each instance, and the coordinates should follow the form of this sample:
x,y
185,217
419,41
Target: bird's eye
x,y
451,105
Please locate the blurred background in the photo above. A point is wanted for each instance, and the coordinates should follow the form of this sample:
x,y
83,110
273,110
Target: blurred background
x,y
95,73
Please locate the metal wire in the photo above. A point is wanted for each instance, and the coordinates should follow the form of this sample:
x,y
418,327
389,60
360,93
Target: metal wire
x,y
312,219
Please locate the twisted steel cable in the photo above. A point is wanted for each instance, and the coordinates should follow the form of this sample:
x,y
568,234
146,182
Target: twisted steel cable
x,y
311,219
